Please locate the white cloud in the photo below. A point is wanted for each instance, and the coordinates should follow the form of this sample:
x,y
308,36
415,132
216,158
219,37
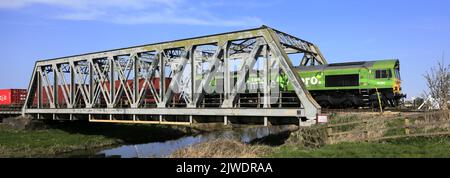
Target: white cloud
x,y
135,11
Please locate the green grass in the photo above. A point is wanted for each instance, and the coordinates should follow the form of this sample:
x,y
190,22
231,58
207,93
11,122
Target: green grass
x,y
436,147
43,143
67,137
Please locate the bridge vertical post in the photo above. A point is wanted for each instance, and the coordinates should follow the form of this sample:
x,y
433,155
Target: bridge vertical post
x,y
162,79
136,82
226,71
193,78
38,91
55,87
91,86
266,99
266,78
72,87
111,82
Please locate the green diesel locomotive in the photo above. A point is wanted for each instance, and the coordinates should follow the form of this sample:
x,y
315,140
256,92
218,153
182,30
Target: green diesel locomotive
x,y
353,84
341,85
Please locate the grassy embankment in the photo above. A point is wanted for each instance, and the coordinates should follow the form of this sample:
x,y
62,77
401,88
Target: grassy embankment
x,y
67,137
436,147
418,147
413,147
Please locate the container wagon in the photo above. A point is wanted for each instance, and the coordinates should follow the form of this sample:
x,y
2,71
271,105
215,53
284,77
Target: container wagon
x,y
12,99
148,100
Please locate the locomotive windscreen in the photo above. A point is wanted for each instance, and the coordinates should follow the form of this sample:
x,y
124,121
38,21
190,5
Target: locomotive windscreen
x,y
341,80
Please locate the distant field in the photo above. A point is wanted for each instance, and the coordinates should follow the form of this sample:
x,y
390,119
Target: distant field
x,y
437,147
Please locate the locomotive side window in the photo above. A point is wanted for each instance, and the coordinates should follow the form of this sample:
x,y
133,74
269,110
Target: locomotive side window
x,y
383,74
342,80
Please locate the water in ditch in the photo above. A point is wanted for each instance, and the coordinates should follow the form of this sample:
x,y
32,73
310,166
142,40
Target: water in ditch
x,y
163,149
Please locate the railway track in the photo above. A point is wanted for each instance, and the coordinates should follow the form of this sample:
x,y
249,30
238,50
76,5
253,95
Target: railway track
x,y
18,111
368,110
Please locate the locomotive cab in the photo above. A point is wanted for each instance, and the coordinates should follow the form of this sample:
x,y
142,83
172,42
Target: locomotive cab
x,y
387,81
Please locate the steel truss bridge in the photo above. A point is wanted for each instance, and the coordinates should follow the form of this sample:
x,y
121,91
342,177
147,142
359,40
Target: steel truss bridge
x,y
179,82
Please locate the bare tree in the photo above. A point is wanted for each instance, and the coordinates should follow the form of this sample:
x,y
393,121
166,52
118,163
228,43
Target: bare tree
x,y
438,82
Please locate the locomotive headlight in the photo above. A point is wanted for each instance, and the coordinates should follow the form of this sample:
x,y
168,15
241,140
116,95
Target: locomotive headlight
x,y
396,86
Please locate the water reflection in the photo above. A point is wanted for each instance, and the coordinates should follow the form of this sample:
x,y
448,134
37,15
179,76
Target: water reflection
x,y
163,149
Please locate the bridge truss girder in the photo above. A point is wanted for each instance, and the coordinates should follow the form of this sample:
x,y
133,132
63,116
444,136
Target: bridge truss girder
x,y
120,82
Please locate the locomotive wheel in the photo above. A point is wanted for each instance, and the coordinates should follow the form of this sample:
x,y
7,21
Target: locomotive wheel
x,y
347,104
324,104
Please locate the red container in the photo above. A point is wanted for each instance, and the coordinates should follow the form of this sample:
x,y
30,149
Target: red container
x,y
61,99
12,96
148,98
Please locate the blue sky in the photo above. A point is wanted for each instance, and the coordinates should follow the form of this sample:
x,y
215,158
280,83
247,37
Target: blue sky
x,y
416,32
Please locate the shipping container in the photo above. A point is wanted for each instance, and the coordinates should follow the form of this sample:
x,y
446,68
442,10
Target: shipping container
x,y
61,99
12,97
147,99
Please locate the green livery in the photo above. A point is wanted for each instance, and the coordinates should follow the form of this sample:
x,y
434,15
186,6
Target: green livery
x,y
344,85
315,77
353,83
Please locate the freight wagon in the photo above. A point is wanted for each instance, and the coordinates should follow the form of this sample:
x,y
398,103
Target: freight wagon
x,y
148,99
12,98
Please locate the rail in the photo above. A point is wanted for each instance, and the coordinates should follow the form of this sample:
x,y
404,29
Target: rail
x,y
369,110
11,110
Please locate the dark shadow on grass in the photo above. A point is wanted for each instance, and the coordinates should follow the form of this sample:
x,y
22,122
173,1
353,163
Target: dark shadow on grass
x,y
272,140
126,133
